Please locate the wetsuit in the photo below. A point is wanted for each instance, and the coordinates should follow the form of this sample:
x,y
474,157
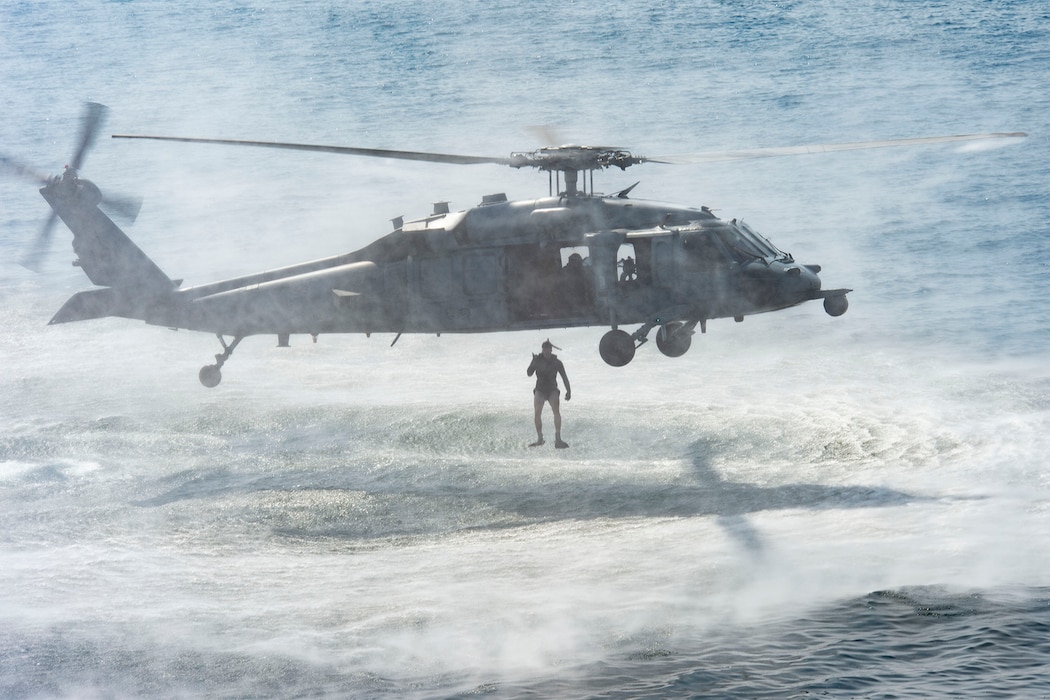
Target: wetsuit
x,y
547,370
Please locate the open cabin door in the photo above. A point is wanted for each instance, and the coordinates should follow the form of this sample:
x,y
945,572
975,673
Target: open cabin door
x,y
550,282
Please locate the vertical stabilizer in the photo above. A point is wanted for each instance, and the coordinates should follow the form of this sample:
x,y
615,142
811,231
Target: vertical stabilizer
x,y
106,255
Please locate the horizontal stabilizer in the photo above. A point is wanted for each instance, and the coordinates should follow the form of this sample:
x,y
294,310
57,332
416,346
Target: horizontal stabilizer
x,y
94,303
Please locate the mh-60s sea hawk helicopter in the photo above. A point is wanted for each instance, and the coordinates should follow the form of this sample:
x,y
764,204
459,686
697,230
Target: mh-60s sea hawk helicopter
x,y
574,258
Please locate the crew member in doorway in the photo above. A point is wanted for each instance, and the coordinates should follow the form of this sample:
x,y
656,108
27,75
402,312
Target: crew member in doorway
x,y
546,366
576,286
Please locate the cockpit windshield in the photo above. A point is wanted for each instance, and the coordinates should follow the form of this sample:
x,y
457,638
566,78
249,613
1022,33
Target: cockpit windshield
x,y
760,242
737,239
742,248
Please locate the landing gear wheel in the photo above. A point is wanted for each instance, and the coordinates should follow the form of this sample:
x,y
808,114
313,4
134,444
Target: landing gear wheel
x,y
616,348
672,340
836,305
210,376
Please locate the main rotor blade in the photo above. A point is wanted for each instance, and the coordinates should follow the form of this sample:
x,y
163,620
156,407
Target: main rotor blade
x,y
343,150
90,124
719,156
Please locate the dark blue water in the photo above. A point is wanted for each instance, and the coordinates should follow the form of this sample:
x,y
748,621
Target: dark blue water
x,y
801,506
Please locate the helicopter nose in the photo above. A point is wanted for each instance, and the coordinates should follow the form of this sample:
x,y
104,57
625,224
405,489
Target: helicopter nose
x,y
809,273
801,281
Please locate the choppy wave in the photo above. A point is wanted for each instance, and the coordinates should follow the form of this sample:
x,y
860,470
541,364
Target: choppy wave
x,y
909,643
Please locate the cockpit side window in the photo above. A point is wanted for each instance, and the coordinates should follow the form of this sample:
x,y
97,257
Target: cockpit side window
x,y
702,247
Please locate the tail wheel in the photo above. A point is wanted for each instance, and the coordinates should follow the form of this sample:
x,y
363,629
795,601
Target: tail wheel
x,y
616,348
673,340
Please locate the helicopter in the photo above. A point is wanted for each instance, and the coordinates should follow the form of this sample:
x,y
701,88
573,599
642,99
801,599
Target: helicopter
x,y
575,258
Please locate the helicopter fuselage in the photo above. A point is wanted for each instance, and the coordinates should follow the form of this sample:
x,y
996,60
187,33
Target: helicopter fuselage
x,y
551,262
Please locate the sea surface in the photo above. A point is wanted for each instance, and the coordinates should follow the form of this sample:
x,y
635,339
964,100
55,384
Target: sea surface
x,y
854,507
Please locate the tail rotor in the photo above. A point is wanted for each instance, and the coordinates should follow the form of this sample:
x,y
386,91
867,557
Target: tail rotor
x,y
123,207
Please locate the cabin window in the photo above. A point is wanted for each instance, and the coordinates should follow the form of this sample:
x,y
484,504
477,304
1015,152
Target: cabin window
x,y
568,252
634,263
626,263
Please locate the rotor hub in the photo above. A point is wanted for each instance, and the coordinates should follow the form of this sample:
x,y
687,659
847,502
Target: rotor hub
x,y
577,158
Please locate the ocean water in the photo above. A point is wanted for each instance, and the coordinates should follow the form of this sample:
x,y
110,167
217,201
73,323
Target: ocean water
x,y
853,507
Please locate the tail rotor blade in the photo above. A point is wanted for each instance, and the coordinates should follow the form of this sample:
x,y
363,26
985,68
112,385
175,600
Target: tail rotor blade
x,y
122,206
22,170
90,124
40,245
